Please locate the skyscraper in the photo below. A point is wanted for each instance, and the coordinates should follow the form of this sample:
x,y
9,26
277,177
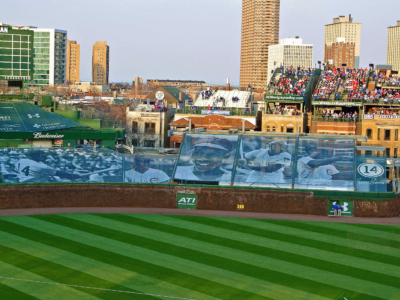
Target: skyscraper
x,y
343,27
73,61
393,48
100,63
260,29
49,57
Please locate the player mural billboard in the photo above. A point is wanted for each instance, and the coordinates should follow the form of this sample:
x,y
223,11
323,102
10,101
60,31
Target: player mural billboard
x,y
206,159
265,161
149,168
325,164
60,165
371,173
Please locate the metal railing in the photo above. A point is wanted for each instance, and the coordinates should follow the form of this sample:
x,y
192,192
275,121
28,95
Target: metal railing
x,y
336,119
232,111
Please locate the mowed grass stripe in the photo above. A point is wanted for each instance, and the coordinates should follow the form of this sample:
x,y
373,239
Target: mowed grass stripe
x,y
343,280
207,287
204,258
61,274
321,242
95,268
357,230
293,231
10,293
275,245
334,234
383,228
277,291
249,284
38,290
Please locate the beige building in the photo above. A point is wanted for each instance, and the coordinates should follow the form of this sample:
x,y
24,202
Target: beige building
x,y
100,63
89,87
260,29
73,61
341,53
393,48
147,129
343,27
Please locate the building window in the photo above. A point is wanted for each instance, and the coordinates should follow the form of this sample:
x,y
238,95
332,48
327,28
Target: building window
x,y
369,134
379,134
150,128
135,143
268,129
149,143
134,127
395,153
387,152
273,129
387,135
396,135
368,152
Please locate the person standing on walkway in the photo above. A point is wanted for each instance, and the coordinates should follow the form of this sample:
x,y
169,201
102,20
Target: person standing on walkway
x,y
335,210
339,209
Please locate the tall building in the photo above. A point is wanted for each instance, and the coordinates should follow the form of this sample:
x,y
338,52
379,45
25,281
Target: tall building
x,y
393,48
260,29
343,27
341,53
73,61
290,52
16,52
100,63
49,57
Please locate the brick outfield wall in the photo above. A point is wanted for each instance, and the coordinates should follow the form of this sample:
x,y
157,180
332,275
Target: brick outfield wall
x,y
48,196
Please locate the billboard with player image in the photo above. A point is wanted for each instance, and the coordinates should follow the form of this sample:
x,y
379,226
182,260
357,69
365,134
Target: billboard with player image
x,y
325,164
149,168
265,161
206,159
59,165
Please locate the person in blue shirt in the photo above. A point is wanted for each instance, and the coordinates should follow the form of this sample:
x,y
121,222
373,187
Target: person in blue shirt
x,y
336,96
335,209
339,209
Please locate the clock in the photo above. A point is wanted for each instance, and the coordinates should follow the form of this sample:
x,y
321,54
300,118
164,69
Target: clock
x,y
160,95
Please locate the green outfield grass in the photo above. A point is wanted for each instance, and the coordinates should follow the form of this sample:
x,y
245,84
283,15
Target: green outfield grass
x,y
97,256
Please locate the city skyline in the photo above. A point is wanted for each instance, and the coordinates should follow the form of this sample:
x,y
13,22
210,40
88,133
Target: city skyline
x,y
190,41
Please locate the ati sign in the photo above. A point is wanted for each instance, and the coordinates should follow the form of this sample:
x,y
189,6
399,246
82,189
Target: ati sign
x,y
187,201
347,207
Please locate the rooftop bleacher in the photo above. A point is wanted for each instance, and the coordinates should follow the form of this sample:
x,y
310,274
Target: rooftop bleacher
x,y
342,84
290,81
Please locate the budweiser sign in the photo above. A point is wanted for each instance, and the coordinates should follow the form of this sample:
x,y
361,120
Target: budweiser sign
x,y
39,135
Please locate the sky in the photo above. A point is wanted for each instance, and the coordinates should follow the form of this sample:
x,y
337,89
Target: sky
x,y
192,40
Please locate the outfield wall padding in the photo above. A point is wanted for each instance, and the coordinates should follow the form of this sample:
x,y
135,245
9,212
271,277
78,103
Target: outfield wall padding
x,y
208,198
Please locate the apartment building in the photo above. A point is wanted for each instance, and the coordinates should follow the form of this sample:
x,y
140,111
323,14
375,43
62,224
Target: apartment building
x,y
260,29
73,61
393,48
343,27
342,53
100,63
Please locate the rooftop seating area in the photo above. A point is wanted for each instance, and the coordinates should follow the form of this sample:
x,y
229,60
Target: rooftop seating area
x,y
382,80
342,84
290,81
223,99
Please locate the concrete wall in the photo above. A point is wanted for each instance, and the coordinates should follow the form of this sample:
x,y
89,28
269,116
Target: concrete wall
x,y
209,198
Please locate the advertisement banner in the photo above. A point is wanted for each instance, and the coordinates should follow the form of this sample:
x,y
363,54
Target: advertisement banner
x,y
216,112
284,98
325,164
347,208
206,159
337,103
187,201
265,161
371,173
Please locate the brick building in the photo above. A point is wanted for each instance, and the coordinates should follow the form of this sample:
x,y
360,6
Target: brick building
x,y
341,52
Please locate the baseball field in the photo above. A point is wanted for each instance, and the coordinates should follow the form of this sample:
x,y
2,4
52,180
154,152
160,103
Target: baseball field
x,y
127,256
